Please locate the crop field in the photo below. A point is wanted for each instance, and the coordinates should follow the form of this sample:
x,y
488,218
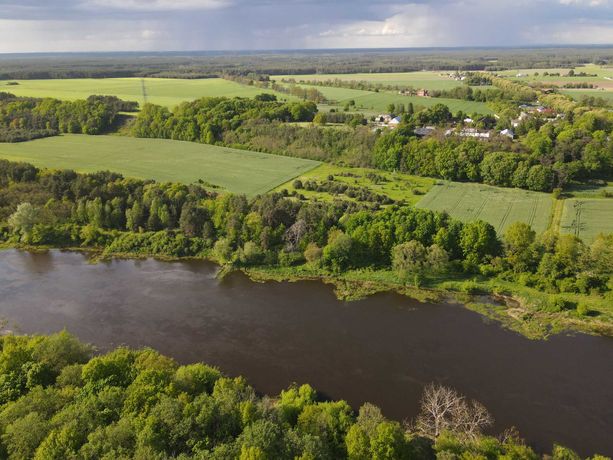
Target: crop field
x,y
418,80
162,91
500,207
397,186
587,218
370,101
603,78
577,94
237,171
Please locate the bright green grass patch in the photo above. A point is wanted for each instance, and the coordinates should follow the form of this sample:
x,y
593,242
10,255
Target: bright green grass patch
x,y
426,80
395,185
162,91
379,102
237,171
500,207
587,218
577,94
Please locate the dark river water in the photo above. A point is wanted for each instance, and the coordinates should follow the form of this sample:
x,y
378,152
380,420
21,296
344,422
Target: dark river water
x,y
383,349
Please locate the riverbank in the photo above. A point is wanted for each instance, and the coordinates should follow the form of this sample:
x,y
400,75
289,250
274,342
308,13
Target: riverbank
x,y
519,308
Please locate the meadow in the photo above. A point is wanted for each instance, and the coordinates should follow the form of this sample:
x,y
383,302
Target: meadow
x,y
418,80
162,91
500,207
587,218
603,78
237,171
378,102
397,186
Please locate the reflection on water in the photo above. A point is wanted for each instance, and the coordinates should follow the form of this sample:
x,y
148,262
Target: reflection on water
x,y
382,349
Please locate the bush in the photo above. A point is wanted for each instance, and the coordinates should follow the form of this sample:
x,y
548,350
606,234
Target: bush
x,y
469,287
290,259
582,309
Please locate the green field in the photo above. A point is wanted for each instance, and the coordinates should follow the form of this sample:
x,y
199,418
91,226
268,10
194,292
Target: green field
x,y
587,218
577,94
500,207
371,101
237,171
162,91
603,78
397,186
418,80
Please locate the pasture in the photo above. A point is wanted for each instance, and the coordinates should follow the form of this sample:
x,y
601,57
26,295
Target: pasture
x,y
587,218
603,78
417,80
162,91
237,171
500,207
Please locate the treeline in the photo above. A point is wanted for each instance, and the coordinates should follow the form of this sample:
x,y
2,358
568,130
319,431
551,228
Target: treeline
x,y
122,216
213,64
207,119
258,124
23,118
59,400
264,82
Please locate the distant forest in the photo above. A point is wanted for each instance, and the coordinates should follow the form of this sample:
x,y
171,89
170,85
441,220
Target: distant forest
x,y
212,64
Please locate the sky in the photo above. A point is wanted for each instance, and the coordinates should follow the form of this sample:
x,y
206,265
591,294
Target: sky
x,y
188,25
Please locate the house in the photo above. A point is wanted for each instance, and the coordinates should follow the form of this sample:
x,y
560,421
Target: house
x,y
469,132
383,119
468,120
424,131
508,133
423,93
395,122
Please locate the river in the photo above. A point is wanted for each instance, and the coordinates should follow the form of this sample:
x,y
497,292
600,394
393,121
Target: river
x,y
383,349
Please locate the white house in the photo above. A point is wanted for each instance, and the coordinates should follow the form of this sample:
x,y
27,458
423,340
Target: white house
x,y
508,132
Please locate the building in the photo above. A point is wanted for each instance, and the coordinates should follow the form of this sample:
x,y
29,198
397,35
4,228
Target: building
x,y
424,131
423,93
508,133
395,122
469,132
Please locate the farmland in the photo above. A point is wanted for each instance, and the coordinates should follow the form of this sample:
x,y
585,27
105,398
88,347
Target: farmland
x,y
426,80
371,101
586,218
162,91
500,207
237,171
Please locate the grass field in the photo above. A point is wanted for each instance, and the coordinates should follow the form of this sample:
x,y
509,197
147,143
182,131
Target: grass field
x,y
162,91
371,101
395,185
603,78
500,207
577,94
418,80
237,171
587,218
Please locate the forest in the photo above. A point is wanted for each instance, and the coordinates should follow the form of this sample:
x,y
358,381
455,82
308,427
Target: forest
x,y
215,64
23,119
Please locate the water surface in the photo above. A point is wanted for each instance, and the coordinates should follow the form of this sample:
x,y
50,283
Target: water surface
x,y
383,349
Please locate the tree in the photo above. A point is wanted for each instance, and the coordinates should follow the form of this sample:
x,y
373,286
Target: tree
x,y
518,239
22,221
479,241
409,258
337,253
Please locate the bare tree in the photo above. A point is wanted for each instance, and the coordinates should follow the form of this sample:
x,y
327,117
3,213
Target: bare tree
x,y
444,409
294,234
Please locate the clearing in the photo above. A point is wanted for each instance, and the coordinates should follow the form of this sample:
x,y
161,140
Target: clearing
x,y
587,218
397,186
237,171
500,207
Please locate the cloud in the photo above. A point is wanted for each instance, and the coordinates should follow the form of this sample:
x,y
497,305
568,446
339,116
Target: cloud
x,y
81,25
154,5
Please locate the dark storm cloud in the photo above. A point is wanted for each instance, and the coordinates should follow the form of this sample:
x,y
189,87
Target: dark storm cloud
x,y
40,25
